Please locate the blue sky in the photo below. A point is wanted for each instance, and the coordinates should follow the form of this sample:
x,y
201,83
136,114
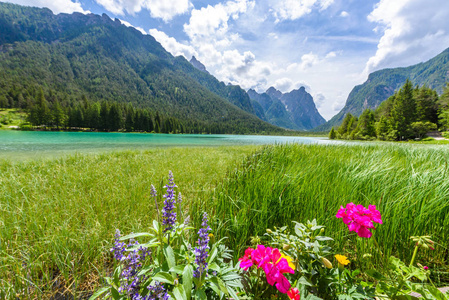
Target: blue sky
x,y
328,46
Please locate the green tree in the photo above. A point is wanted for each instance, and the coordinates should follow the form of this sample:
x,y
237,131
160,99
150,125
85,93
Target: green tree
x,y
366,124
40,113
58,115
421,128
343,128
426,105
332,134
404,110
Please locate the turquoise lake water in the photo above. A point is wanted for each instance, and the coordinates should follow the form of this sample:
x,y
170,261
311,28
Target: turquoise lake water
x,y
35,144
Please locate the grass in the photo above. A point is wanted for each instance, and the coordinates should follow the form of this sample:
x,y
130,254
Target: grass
x,y
407,183
11,117
58,217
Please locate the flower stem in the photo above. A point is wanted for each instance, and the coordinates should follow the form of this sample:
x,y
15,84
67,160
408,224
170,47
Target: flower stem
x,y
414,256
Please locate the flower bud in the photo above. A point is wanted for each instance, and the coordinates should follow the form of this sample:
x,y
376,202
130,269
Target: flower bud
x,y
322,230
269,231
326,262
286,247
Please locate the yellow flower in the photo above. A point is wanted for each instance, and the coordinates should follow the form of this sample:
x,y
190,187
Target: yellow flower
x,y
291,264
342,260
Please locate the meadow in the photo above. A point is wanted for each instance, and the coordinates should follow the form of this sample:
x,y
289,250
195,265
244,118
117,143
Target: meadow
x,y
58,216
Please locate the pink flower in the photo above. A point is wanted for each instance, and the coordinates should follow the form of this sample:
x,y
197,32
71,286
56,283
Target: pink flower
x,y
426,268
360,219
273,264
245,261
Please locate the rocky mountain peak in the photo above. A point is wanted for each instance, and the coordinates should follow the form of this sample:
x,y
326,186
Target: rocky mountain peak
x,y
197,64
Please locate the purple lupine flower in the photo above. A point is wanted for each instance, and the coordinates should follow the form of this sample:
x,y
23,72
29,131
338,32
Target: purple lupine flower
x,y
168,214
157,291
119,247
201,252
130,281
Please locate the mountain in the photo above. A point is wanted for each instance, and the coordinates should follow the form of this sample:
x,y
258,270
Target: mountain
x,y
294,110
74,55
197,64
383,83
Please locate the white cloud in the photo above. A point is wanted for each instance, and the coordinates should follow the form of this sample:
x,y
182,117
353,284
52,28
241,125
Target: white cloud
x,y
57,6
331,54
344,14
308,60
127,24
173,46
162,9
295,9
283,84
413,31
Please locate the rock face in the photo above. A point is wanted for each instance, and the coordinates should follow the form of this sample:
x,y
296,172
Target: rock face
x,y
294,110
197,64
383,83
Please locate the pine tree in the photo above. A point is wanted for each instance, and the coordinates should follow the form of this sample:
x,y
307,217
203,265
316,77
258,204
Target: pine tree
x,y
332,134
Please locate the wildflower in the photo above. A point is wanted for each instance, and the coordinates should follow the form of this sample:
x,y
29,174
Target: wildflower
x,y
119,247
274,264
426,268
342,260
360,219
168,214
201,252
326,262
245,261
275,270
157,291
293,294
289,261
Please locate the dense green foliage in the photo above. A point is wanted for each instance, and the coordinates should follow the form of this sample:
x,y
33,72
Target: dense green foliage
x,y
409,113
383,83
281,184
74,56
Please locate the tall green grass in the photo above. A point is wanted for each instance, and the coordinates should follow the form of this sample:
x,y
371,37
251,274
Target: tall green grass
x,y
408,184
58,217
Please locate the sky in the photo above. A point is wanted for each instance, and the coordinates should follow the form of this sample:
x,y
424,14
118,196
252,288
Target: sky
x,y
327,46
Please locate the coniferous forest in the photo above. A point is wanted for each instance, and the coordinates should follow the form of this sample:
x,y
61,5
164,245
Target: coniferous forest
x,y
409,113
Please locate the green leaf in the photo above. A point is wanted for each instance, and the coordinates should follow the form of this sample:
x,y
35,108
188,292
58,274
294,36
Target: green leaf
x,y
134,235
200,295
323,238
375,274
214,267
212,254
187,277
156,226
115,294
164,277
232,293
219,283
304,281
232,276
170,256
177,269
179,293
99,293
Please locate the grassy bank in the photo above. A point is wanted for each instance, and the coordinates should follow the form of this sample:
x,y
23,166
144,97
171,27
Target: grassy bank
x,y
58,216
407,183
11,117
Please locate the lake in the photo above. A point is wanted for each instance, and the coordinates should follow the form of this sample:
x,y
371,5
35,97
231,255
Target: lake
x,y
37,144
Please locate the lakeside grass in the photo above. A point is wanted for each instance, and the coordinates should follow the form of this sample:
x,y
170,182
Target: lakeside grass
x,y
407,183
58,217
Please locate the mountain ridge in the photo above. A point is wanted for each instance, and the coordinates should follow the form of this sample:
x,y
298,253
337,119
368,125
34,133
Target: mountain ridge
x,y
381,84
73,55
